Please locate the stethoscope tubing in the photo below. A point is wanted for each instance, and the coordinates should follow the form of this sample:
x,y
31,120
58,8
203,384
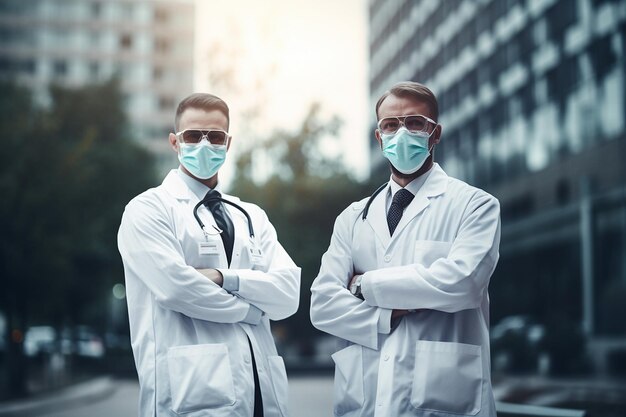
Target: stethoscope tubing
x,y
371,199
251,228
237,206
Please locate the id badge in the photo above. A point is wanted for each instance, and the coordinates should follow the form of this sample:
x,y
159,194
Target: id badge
x,y
256,255
208,247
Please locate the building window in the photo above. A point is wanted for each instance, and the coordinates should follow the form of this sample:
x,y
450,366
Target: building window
x,y
160,16
162,45
28,66
157,74
166,103
563,192
96,10
563,79
94,70
126,41
560,16
602,55
59,68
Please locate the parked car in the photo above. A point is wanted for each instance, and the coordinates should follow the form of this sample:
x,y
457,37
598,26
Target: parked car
x,y
39,340
88,343
517,343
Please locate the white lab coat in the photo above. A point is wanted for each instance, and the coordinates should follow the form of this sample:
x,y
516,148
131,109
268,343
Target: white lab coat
x,y
440,258
190,336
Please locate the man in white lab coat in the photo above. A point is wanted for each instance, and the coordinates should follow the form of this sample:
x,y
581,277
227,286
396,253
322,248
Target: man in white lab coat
x,y
404,281
205,274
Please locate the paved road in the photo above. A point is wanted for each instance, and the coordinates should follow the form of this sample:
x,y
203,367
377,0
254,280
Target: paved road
x,y
309,397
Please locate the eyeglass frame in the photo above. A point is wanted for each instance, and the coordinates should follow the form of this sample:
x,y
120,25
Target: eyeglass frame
x,y
204,136
401,120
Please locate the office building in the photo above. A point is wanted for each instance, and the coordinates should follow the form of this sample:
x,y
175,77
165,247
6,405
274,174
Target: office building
x,y
532,102
147,44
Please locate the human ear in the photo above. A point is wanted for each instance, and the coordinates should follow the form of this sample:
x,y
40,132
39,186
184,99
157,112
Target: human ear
x,y
437,135
378,138
173,142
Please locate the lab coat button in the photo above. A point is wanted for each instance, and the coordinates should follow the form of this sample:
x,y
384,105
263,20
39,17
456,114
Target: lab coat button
x,y
387,258
386,357
246,359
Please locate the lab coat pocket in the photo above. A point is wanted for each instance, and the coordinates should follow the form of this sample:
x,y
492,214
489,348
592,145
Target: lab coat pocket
x,y
447,377
428,251
348,392
279,381
200,377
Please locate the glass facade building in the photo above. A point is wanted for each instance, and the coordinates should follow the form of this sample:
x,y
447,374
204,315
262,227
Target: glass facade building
x,y
532,97
148,44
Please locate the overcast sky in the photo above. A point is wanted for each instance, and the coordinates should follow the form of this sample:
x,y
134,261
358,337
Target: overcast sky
x,y
282,55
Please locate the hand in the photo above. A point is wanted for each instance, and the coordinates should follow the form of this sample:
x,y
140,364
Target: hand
x,y
398,313
214,275
354,277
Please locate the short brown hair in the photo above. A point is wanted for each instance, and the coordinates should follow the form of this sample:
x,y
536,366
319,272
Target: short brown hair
x,y
203,101
414,90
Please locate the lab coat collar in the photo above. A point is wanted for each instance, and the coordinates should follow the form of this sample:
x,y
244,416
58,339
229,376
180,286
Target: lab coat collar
x,y
178,189
435,185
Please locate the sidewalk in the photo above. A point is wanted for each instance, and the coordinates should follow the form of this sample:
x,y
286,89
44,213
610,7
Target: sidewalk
x,y
83,393
599,396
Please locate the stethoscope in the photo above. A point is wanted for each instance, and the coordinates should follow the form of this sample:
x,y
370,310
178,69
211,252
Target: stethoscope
x,y
250,228
371,199
217,229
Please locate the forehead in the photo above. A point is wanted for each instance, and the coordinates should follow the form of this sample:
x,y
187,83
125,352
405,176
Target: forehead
x,y
402,106
194,118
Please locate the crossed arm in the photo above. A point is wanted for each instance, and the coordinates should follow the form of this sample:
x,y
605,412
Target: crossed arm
x,y
395,313
452,283
152,253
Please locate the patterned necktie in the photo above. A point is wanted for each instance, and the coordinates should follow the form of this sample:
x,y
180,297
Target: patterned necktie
x,y
223,221
401,199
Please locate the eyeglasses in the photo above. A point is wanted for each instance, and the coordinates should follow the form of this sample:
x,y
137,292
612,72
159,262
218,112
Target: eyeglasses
x,y
413,123
214,137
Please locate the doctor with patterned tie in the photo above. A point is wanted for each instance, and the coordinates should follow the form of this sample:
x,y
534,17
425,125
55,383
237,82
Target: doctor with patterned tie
x,y
403,284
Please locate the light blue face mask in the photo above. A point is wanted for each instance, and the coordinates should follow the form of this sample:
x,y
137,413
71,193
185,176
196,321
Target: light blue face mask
x,y
406,151
203,160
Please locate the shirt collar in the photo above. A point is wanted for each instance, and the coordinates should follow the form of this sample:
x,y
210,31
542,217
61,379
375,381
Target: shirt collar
x,y
413,187
195,186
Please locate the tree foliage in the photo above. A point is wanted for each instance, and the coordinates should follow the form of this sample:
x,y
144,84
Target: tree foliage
x,y
302,198
67,172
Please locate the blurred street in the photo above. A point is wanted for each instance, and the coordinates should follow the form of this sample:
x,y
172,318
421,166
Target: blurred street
x,y
122,402
310,396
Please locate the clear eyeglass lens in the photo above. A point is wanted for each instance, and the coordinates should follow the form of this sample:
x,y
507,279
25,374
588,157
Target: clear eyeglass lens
x,y
416,124
413,124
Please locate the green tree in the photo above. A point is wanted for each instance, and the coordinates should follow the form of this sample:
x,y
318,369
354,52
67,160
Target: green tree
x,y
67,172
302,199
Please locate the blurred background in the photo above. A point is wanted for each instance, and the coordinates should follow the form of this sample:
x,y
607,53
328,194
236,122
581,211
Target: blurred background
x,y
532,97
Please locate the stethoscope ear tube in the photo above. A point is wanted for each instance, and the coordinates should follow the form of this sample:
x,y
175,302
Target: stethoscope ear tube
x,y
237,206
195,214
369,201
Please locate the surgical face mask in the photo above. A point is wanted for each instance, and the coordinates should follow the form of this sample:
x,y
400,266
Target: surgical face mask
x,y
203,159
406,151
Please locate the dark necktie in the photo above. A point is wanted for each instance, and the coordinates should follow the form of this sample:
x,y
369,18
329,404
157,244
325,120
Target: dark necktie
x,y
223,221
401,199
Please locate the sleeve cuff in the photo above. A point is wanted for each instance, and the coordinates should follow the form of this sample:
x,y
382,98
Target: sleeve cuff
x,y
254,315
367,289
384,321
231,280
